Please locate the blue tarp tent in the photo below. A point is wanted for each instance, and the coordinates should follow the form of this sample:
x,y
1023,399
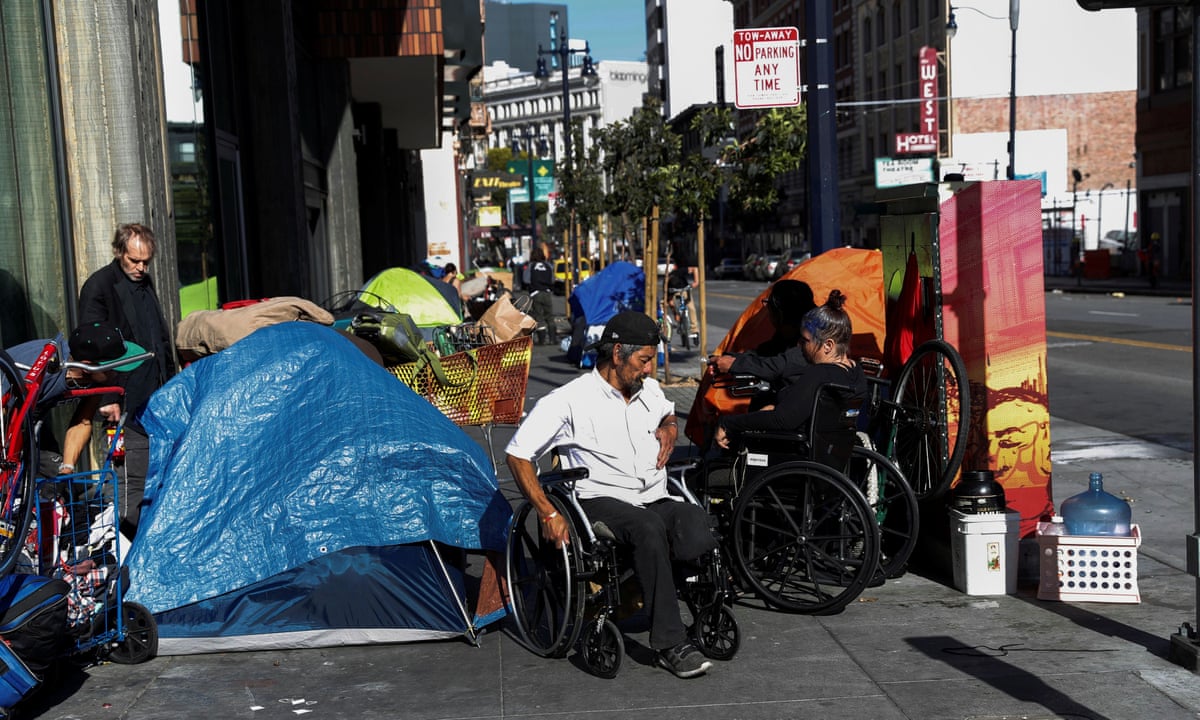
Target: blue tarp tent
x,y
620,286
301,496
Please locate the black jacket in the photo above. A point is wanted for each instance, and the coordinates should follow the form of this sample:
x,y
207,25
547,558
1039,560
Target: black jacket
x,y
108,297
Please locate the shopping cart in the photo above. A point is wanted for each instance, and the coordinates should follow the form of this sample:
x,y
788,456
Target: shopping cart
x,y
76,537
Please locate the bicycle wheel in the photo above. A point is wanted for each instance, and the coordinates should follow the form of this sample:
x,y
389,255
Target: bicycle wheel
x,y
18,465
805,539
895,506
685,327
545,592
928,437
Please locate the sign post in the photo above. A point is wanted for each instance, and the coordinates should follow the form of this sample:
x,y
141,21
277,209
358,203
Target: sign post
x,y
766,67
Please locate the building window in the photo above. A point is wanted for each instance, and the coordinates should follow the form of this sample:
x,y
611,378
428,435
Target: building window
x,y
914,19
883,86
866,33
1173,48
896,19
880,32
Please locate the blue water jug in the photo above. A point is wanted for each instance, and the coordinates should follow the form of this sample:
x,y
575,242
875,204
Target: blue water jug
x,y
1095,512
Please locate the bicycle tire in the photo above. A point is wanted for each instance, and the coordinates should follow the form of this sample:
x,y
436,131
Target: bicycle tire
x,y
18,466
932,388
895,505
685,327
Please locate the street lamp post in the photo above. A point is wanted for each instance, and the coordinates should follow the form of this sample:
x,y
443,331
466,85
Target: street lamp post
x,y
1014,12
588,73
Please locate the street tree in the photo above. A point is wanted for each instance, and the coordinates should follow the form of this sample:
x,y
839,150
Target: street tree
x,y
777,145
701,174
580,199
641,160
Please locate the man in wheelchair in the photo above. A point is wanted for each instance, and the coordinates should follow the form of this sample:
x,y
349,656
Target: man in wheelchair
x,y
616,422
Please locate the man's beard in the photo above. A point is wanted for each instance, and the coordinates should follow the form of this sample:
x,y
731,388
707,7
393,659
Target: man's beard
x,y
635,386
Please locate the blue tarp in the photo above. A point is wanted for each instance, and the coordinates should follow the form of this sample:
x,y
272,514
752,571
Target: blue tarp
x,y
620,286
275,463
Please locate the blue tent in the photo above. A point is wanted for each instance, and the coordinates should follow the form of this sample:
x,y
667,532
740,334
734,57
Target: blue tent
x,y
620,286
301,496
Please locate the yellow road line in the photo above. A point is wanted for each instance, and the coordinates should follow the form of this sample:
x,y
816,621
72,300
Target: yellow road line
x,y
1119,341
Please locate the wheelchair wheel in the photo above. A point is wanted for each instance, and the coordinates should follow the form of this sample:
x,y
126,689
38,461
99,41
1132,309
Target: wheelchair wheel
x,y
928,438
545,592
18,465
141,636
715,631
804,538
895,506
603,649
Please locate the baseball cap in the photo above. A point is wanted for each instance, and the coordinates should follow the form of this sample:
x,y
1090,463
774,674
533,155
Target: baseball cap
x,y
99,343
629,328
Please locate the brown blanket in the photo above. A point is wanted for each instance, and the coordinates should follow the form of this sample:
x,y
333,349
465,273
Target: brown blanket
x,y
205,332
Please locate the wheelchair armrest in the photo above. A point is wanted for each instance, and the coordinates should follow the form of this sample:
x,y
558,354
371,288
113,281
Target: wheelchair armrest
x,y
558,477
741,385
752,437
682,465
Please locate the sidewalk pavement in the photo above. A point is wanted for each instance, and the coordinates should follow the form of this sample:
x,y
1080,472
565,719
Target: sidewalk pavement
x,y
913,648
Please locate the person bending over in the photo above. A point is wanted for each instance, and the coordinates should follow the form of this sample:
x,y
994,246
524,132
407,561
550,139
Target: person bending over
x,y
91,343
616,422
780,359
825,339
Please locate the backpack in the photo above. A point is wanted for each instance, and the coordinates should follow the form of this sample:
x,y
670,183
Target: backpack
x,y
399,341
34,620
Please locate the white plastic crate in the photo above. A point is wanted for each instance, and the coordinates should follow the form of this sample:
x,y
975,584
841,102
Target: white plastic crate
x,y
1089,568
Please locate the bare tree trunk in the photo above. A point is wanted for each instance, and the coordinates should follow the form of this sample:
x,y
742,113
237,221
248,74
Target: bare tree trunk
x,y
701,303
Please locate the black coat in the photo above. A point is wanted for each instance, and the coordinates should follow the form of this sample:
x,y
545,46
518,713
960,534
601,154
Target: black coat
x,y
107,297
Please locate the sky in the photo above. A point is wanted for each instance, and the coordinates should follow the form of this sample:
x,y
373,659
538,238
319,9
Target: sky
x,y
615,29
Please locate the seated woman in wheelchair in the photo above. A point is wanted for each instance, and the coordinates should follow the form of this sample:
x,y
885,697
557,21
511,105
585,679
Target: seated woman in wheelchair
x,y
825,339
616,422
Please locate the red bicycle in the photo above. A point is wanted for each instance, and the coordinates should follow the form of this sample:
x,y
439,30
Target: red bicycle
x,y
19,390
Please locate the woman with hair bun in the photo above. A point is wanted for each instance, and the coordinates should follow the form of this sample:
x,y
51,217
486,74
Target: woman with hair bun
x,y
825,339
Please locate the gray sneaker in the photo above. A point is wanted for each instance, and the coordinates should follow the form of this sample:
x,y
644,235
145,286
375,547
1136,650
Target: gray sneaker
x,y
684,660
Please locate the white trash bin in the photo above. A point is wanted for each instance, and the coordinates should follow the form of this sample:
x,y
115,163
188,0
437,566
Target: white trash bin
x,y
983,549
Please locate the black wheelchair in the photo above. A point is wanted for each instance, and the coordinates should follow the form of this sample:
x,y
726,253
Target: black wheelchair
x,y
811,519
572,595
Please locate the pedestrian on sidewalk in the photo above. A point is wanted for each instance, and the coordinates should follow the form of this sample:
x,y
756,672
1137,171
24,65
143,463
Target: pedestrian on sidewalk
x,y
541,289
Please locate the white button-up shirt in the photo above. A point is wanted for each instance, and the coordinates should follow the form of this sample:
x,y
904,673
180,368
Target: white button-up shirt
x,y
590,423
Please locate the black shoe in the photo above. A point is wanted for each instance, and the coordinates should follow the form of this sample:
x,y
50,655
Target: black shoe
x,y
684,660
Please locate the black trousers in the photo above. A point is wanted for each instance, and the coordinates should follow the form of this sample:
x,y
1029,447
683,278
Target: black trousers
x,y
657,534
132,478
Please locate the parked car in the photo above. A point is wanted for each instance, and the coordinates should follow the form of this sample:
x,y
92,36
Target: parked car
x,y
727,268
789,260
766,270
562,271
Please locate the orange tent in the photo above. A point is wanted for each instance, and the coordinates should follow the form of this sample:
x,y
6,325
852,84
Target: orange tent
x,y
857,273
